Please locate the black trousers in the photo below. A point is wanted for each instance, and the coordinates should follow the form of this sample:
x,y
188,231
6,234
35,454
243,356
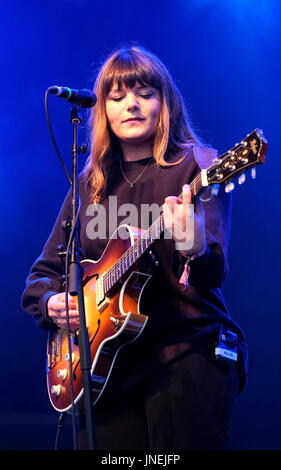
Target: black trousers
x,y
186,405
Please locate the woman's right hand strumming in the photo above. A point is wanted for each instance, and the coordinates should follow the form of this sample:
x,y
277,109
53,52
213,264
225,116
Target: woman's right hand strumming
x,y
57,310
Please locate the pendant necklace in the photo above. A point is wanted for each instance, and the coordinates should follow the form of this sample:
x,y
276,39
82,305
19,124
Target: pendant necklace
x,y
131,183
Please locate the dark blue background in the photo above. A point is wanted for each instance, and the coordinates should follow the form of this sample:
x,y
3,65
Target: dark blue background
x,y
225,58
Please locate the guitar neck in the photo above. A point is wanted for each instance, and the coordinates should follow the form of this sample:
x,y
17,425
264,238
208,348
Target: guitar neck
x,y
143,243
244,155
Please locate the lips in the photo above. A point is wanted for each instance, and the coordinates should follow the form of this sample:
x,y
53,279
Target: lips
x,y
134,119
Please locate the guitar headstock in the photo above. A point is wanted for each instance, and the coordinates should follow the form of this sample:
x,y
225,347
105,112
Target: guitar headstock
x,y
249,153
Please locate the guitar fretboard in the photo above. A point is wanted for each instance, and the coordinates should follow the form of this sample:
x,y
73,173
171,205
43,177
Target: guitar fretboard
x,y
142,244
244,155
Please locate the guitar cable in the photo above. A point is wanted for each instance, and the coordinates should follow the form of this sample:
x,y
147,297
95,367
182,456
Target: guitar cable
x,y
60,427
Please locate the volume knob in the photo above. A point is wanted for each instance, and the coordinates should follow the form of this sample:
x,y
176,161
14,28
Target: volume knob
x,y
62,373
66,357
56,389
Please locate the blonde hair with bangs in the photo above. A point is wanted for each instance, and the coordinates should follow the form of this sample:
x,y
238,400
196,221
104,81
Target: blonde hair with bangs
x,y
174,134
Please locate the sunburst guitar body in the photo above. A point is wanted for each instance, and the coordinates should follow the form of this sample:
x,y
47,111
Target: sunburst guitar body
x,y
111,321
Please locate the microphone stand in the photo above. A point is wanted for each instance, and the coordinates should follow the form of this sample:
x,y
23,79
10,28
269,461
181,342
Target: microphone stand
x,y
76,289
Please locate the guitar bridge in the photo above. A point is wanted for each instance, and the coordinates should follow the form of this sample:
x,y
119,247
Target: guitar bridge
x,y
54,353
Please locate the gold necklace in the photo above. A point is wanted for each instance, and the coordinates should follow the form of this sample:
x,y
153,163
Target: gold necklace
x,y
131,183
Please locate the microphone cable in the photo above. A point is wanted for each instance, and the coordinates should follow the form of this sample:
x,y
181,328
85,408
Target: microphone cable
x,y
53,138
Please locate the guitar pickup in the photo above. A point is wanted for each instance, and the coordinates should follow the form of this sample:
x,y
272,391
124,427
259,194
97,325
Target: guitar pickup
x,y
101,300
103,304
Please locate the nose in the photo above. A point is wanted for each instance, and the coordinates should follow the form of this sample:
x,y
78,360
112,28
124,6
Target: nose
x,y
132,102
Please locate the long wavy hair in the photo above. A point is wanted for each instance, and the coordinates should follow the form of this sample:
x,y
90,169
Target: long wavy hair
x,y
174,134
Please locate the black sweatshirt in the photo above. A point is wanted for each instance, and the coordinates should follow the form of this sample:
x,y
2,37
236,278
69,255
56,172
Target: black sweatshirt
x,y
177,318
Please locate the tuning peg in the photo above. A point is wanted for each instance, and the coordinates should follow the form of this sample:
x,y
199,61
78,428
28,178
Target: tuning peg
x,y
229,187
253,173
242,178
215,189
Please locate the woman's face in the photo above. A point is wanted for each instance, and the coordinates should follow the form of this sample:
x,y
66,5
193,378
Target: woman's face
x,y
133,113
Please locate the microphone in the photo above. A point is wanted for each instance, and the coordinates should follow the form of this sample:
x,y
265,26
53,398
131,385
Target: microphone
x,y
84,98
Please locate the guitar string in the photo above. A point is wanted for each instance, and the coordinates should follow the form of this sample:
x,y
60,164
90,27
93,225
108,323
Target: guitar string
x,y
147,235
126,257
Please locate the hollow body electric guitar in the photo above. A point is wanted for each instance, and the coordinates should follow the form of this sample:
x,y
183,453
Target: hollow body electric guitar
x,y
113,287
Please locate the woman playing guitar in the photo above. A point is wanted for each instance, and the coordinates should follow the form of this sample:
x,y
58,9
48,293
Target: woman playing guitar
x,y
169,387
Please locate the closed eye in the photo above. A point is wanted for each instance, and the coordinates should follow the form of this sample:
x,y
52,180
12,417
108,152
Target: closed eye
x,y
142,95
146,96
